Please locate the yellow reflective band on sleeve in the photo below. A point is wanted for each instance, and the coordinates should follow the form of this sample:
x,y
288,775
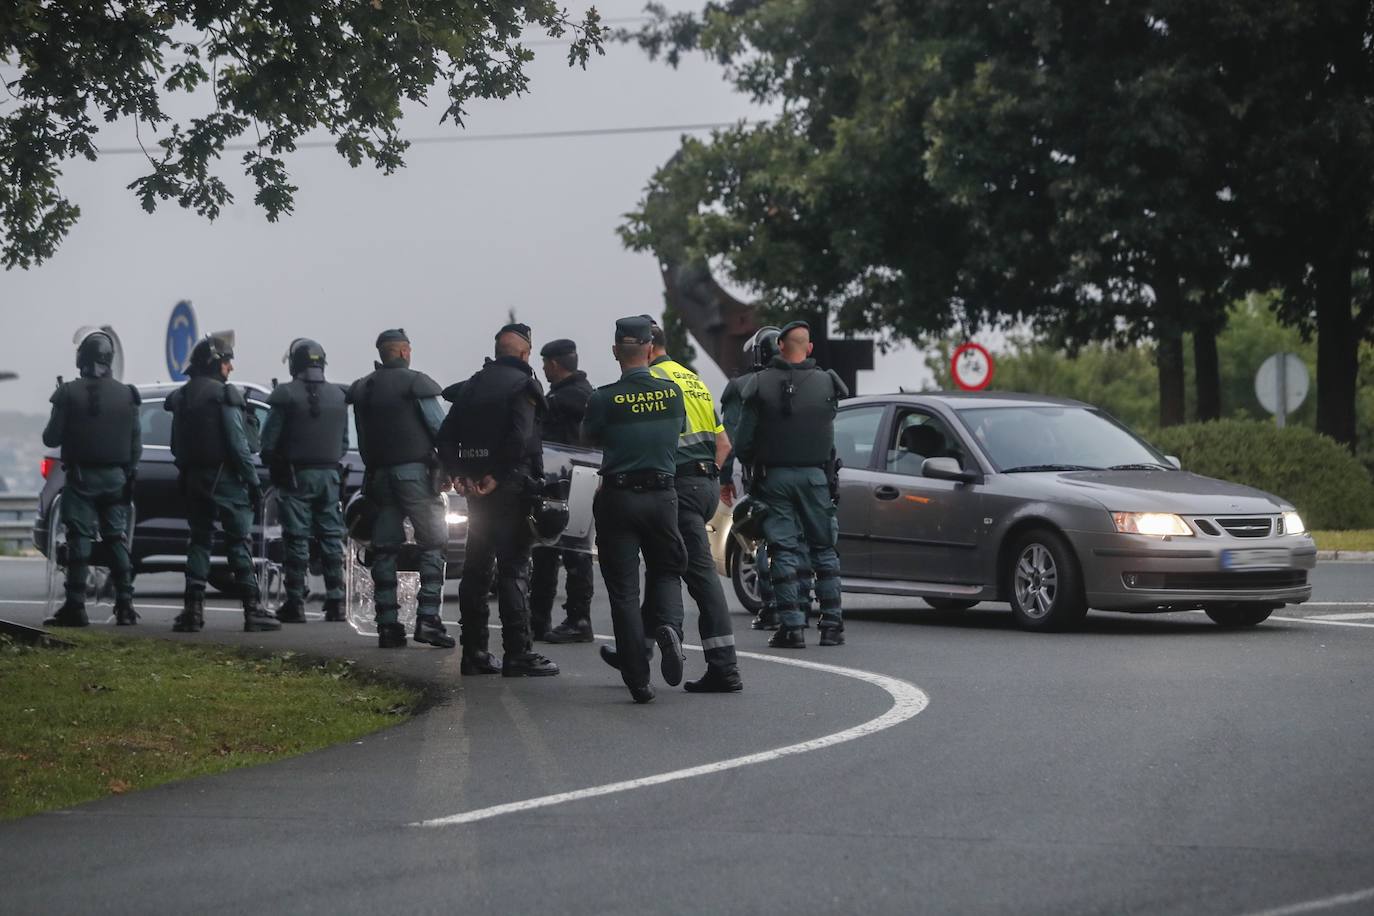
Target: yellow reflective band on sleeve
x,y
702,421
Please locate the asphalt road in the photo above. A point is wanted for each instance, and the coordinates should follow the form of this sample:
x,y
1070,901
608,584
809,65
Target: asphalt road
x,y
1143,764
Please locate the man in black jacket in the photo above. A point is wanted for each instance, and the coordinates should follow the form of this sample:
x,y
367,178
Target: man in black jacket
x,y
565,406
490,445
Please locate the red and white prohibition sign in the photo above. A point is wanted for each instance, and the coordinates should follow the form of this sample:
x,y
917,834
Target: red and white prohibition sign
x,y
971,367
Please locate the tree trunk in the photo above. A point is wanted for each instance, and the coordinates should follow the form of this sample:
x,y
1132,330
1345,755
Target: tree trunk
x,y
1338,349
1207,369
1169,351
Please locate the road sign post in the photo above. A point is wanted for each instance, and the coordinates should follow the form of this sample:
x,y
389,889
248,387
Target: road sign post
x,y
181,339
1281,385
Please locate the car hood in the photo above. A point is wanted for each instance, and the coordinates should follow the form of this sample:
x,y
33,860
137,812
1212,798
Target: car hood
x,y
1169,491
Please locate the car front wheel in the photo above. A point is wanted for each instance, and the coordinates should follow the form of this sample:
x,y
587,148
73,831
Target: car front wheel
x,y
1238,615
1044,584
744,576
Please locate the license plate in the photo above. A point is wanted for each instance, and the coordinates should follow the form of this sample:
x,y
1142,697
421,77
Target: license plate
x,y
1259,558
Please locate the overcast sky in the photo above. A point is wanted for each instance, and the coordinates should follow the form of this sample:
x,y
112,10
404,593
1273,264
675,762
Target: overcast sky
x,y
443,248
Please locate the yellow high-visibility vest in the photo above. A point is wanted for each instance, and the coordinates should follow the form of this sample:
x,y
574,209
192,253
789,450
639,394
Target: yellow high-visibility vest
x,y
698,441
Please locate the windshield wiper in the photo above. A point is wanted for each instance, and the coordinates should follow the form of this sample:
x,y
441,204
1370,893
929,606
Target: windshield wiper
x,y
1049,467
1139,467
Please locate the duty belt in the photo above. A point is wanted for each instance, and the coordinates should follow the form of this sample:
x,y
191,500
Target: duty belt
x,y
698,469
639,481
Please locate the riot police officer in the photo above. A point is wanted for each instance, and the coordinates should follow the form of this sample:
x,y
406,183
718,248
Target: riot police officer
x,y
95,421
760,350
490,444
210,445
303,442
397,412
786,434
636,422
701,450
564,407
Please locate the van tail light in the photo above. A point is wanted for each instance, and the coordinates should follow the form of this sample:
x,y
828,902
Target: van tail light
x,y
45,466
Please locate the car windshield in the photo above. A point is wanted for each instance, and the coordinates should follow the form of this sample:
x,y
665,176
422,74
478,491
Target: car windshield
x,y
1050,438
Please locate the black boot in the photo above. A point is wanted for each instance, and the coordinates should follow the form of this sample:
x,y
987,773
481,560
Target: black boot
x,y
257,619
527,664
832,632
609,656
192,616
478,662
570,631
293,611
391,636
333,610
125,615
429,629
767,619
643,694
787,638
670,655
716,680
70,614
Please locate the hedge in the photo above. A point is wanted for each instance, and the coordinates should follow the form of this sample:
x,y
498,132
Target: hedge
x,y
1329,487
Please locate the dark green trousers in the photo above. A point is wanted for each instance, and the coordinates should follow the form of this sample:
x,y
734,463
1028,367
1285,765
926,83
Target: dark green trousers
x,y
93,503
801,531
400,492
216,495
311,509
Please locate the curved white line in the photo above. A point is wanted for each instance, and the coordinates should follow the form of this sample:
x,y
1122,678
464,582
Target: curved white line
x,y
1325,903
908,700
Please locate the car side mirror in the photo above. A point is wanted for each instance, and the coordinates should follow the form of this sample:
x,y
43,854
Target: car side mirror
x,y
946,469
1173,459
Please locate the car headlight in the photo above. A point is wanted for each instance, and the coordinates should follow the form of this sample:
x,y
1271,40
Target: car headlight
x,y
1292,523
453,518
1159,524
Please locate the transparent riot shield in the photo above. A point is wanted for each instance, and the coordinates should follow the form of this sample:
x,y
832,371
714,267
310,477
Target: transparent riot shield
x,y
99,586
269,554
358,554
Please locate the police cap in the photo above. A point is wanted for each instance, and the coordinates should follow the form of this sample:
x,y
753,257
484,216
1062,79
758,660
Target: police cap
x,y
792,326
637,329
517,328
560,347
394,335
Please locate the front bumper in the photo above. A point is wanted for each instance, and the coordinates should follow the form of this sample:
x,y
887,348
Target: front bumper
x,y
1124,572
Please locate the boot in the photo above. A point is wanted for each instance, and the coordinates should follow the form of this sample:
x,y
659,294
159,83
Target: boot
x,y
527,664
570,631
478,662
391,636
643,694
333,610
767,619
257,619
293,611
716,680
125,615
429,629
70,614
192,616
609,656
787,638
670,654
832,632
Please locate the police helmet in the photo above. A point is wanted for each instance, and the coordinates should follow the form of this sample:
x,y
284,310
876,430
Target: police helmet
x,y
210,351
360,515
763,346
303,354
96,349
548,518
746,519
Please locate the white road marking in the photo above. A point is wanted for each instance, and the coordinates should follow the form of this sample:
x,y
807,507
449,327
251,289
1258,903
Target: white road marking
x,y
1321,620
908,700
1363,615
1325,903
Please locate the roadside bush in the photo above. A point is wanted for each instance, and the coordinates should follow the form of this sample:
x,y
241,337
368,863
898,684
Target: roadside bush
x,y
1329,487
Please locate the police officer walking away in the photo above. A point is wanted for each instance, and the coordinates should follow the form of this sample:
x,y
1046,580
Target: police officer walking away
x,y
701,450
303,442
786,434
95,421
637,422
565,406
219,481
398,415
490,444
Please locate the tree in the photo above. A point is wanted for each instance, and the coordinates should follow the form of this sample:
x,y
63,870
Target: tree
x,y
280,68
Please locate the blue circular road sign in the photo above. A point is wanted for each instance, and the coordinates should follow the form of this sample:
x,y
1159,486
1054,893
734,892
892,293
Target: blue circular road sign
x,y
181,339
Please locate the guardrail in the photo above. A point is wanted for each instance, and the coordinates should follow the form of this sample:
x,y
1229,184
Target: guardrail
x,y
16,520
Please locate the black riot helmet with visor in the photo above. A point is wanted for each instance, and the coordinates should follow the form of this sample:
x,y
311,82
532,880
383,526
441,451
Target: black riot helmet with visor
x,y
762,346
95,355
304,354
209,352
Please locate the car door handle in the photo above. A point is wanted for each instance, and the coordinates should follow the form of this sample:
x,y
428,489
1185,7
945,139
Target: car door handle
x,y
886,492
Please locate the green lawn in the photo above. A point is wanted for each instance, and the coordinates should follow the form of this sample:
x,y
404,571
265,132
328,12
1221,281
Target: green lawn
x,y
113,715
1345,540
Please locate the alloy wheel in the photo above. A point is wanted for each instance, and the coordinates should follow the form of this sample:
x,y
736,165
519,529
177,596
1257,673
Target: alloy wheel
x,y
1036,581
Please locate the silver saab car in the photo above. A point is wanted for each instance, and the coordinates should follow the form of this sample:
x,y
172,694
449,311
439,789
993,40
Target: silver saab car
x,y
1048,504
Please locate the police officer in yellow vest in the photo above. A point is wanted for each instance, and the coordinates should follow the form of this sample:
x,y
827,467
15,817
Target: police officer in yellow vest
x,y
701,450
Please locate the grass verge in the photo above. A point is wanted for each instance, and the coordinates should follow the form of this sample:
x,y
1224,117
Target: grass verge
x,y
112,715
1361,539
